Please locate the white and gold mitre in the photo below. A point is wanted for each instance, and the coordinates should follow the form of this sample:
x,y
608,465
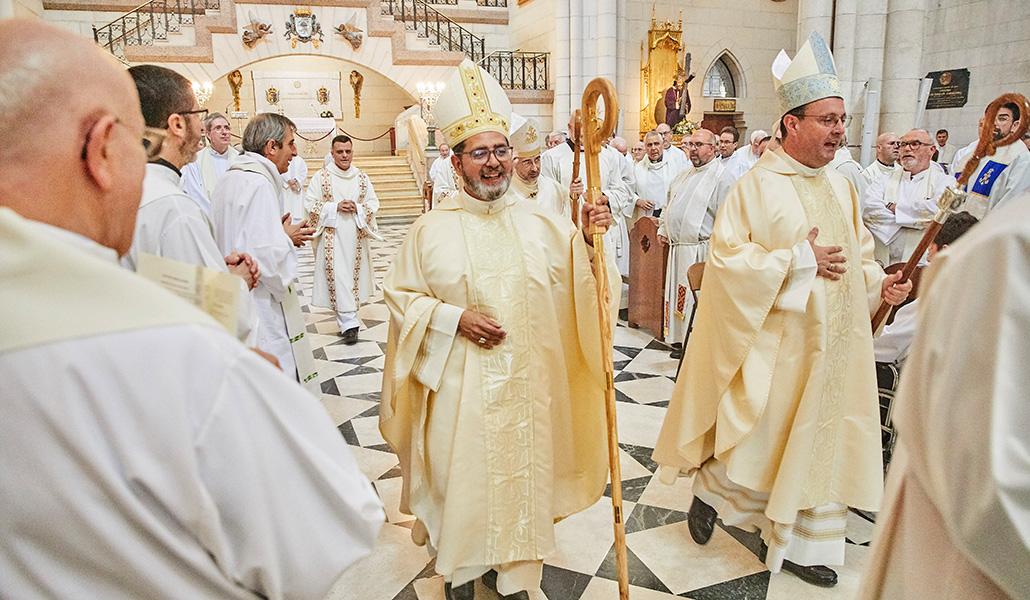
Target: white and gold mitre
x,y
809,77
471,102
526,139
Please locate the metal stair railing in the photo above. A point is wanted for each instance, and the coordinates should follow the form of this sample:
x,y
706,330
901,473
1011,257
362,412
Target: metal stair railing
x,y
495,3
518,70
428,23
149,23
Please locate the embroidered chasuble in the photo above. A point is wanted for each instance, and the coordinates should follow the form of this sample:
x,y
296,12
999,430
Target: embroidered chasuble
x,y
545,192
494,445
694,198
343,259
778,385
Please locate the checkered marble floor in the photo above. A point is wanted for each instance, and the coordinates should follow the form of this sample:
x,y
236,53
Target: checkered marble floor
x,y
663,561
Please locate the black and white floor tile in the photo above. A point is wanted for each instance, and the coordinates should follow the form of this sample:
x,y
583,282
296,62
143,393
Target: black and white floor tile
x,y
664,562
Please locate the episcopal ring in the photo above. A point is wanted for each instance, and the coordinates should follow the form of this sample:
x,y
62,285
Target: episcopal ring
x,y
482,340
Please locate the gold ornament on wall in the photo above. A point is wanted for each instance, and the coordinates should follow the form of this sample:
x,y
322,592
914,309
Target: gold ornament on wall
x,y
322,95
235,83
256,31
664,45
272,95
356,80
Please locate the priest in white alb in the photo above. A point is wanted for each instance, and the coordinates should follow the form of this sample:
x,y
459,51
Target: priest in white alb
x,y
898,208
1004,174
294,181
686,224
887,154
442,174
246,215
169,223
343,205
775,411
145,453
493,389
527,183
653,175
199,176
955,522
557,163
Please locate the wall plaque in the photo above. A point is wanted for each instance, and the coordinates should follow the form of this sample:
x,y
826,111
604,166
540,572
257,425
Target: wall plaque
x,y
725,105
950,89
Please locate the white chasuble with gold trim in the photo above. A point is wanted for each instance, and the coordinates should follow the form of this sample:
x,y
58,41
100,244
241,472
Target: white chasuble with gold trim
x,y
494,445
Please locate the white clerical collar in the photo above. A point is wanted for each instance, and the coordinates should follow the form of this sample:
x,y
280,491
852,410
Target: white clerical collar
x,y
481,207
75,240
351,172
217,154
803,170
908,174
883,165
163,171
656,164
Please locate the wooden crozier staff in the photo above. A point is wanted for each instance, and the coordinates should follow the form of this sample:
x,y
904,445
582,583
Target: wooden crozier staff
x,y
594,135
953,199
576,135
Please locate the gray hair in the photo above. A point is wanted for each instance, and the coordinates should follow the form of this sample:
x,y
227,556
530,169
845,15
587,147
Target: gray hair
x,y
210,119
653,133
264,127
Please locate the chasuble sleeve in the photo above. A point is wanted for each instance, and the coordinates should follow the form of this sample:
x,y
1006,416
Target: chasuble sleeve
x,y
327,215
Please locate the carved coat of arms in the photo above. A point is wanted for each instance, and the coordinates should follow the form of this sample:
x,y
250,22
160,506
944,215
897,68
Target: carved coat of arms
x,y
272,95
303,27
322,95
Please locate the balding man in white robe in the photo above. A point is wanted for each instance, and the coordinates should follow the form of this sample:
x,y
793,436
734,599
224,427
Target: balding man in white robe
x,y
887,152
653,175
200,175
897,209
686,224
145,453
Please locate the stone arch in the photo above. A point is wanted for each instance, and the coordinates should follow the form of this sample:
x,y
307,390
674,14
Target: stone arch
x,y
736,61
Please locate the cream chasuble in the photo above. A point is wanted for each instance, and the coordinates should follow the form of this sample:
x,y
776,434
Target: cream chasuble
x,y
494,445
344,278
694,198
915,198
545,192
653,180
955,524
556,163
783,396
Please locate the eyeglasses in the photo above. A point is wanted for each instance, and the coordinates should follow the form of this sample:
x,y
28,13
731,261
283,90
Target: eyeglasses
x,y
152,139
829,120
914,144
894,144
200,111
481,155
697,144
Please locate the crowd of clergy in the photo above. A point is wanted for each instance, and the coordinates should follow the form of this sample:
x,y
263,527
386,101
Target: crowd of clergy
x,y
148,452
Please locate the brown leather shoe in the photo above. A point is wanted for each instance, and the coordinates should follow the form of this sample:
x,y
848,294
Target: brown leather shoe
x,y
701,521
818,575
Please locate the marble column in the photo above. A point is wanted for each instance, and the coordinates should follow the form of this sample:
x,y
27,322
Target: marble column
x,y
903,64
814,15
561,65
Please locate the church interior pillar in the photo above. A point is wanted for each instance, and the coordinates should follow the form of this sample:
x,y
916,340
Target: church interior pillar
x,y
902,68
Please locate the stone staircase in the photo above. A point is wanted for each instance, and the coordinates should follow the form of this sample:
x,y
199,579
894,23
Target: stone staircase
x,y
394,184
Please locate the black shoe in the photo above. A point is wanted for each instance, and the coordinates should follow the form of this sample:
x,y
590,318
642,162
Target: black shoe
x,y
701,521
465,591
490,581
816,574
677,353
350,337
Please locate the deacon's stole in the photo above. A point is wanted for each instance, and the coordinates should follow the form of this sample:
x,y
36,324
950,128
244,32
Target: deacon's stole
x,y
370,230
500,282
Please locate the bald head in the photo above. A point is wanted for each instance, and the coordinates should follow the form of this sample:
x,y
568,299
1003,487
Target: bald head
x,y
887,148
620,144
68,107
